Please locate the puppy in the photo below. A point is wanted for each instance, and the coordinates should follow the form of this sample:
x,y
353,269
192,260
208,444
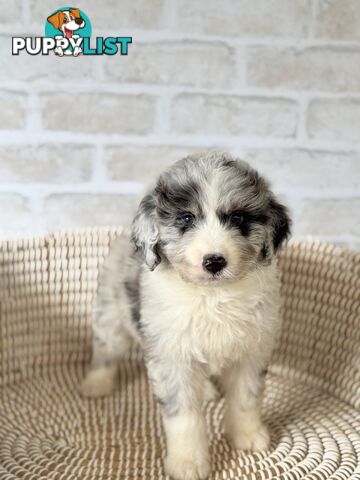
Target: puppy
x,y
67,21
197,287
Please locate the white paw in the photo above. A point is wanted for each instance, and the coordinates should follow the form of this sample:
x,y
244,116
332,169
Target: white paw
x,y
187,468
258,439
99,382
59,51
77,51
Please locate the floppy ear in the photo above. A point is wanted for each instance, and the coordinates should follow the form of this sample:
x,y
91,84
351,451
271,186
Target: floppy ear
x,y
55,20
281,224
145,233
279,231
75,12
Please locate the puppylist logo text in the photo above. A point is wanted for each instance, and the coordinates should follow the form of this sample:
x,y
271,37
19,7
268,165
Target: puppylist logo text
x,y
67,33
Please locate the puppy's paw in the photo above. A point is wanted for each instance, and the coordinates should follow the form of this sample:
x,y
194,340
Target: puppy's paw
x,y
256,440
181,467
99,382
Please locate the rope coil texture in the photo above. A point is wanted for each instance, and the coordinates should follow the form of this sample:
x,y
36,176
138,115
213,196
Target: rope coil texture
x,y
48,431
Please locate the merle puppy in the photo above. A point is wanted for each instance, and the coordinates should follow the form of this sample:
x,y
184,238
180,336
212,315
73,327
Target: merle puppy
x,y
197,287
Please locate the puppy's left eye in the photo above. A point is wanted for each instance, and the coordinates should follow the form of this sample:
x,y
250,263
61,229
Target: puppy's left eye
x,y
188,219
236,218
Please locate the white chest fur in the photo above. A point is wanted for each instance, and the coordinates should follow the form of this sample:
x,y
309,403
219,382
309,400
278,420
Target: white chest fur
x,y
209,324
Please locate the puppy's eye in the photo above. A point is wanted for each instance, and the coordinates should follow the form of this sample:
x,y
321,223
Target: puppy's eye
x,y
188,219
236,218
65,20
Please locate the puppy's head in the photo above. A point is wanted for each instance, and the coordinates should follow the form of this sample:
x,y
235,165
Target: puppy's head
x,y
212,218
67,21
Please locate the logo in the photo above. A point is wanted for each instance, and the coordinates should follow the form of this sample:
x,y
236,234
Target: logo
x,y
68,33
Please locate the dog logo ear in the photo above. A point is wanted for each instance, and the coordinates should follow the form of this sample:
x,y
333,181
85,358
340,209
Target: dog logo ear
x,y
56,20
145,233
75,12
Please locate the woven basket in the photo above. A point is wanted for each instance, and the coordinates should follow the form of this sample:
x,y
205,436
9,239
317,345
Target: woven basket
x,y
48,431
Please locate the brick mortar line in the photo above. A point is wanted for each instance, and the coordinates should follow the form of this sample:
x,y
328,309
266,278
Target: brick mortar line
x,y
302,121
99,171
138,89
27,137
314,10
106,186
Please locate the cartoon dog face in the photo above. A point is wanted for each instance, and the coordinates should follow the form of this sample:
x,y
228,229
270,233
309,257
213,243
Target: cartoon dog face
x,y
67,21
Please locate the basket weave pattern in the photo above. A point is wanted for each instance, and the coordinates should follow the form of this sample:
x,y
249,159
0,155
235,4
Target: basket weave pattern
x,y
48,431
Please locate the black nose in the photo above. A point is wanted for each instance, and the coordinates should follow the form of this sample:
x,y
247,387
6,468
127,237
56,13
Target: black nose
x,y
213,263
79,20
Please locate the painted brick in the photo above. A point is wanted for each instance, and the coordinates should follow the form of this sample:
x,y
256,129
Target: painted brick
x,y
195,64
315,68
16,218
234,115
335,120
303,169
86,210
338,20
98,113
329,217
245,18
13,110
141,164
53,163
134,14
11,12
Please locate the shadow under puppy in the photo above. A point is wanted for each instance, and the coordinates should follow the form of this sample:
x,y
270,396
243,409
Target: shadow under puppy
x,y
197,287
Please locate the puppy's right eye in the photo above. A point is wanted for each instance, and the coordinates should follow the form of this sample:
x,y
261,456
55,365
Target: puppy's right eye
x,y
188,219
237,218
65,20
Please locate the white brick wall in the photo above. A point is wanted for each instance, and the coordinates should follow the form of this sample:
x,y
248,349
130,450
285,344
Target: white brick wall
x,y
275,81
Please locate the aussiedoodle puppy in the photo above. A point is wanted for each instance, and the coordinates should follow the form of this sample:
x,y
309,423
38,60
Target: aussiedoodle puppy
x,y
197,287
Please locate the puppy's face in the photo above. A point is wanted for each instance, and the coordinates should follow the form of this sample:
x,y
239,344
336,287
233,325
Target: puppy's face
x,y
213,219
67,21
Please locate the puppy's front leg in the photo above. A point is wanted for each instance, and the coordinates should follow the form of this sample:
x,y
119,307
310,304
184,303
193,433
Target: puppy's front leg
x,y
244,387
179,390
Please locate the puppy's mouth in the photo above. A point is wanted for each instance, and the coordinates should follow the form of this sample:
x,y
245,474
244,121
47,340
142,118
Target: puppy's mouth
x,y
68,32
203,278
210,279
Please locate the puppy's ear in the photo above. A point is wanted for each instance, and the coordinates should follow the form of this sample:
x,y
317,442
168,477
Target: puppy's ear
x,y
56,20
75,12
278,232
281,224
145,233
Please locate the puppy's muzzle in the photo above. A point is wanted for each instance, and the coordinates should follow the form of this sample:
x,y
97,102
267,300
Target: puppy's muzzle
x,y
213,263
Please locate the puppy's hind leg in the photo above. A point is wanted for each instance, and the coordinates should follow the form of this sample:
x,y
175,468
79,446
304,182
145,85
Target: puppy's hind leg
x,y
99,382
101,378
113,323
110,343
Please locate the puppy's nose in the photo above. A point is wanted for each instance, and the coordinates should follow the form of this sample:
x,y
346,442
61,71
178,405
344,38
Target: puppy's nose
x,y
79,21
213,262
